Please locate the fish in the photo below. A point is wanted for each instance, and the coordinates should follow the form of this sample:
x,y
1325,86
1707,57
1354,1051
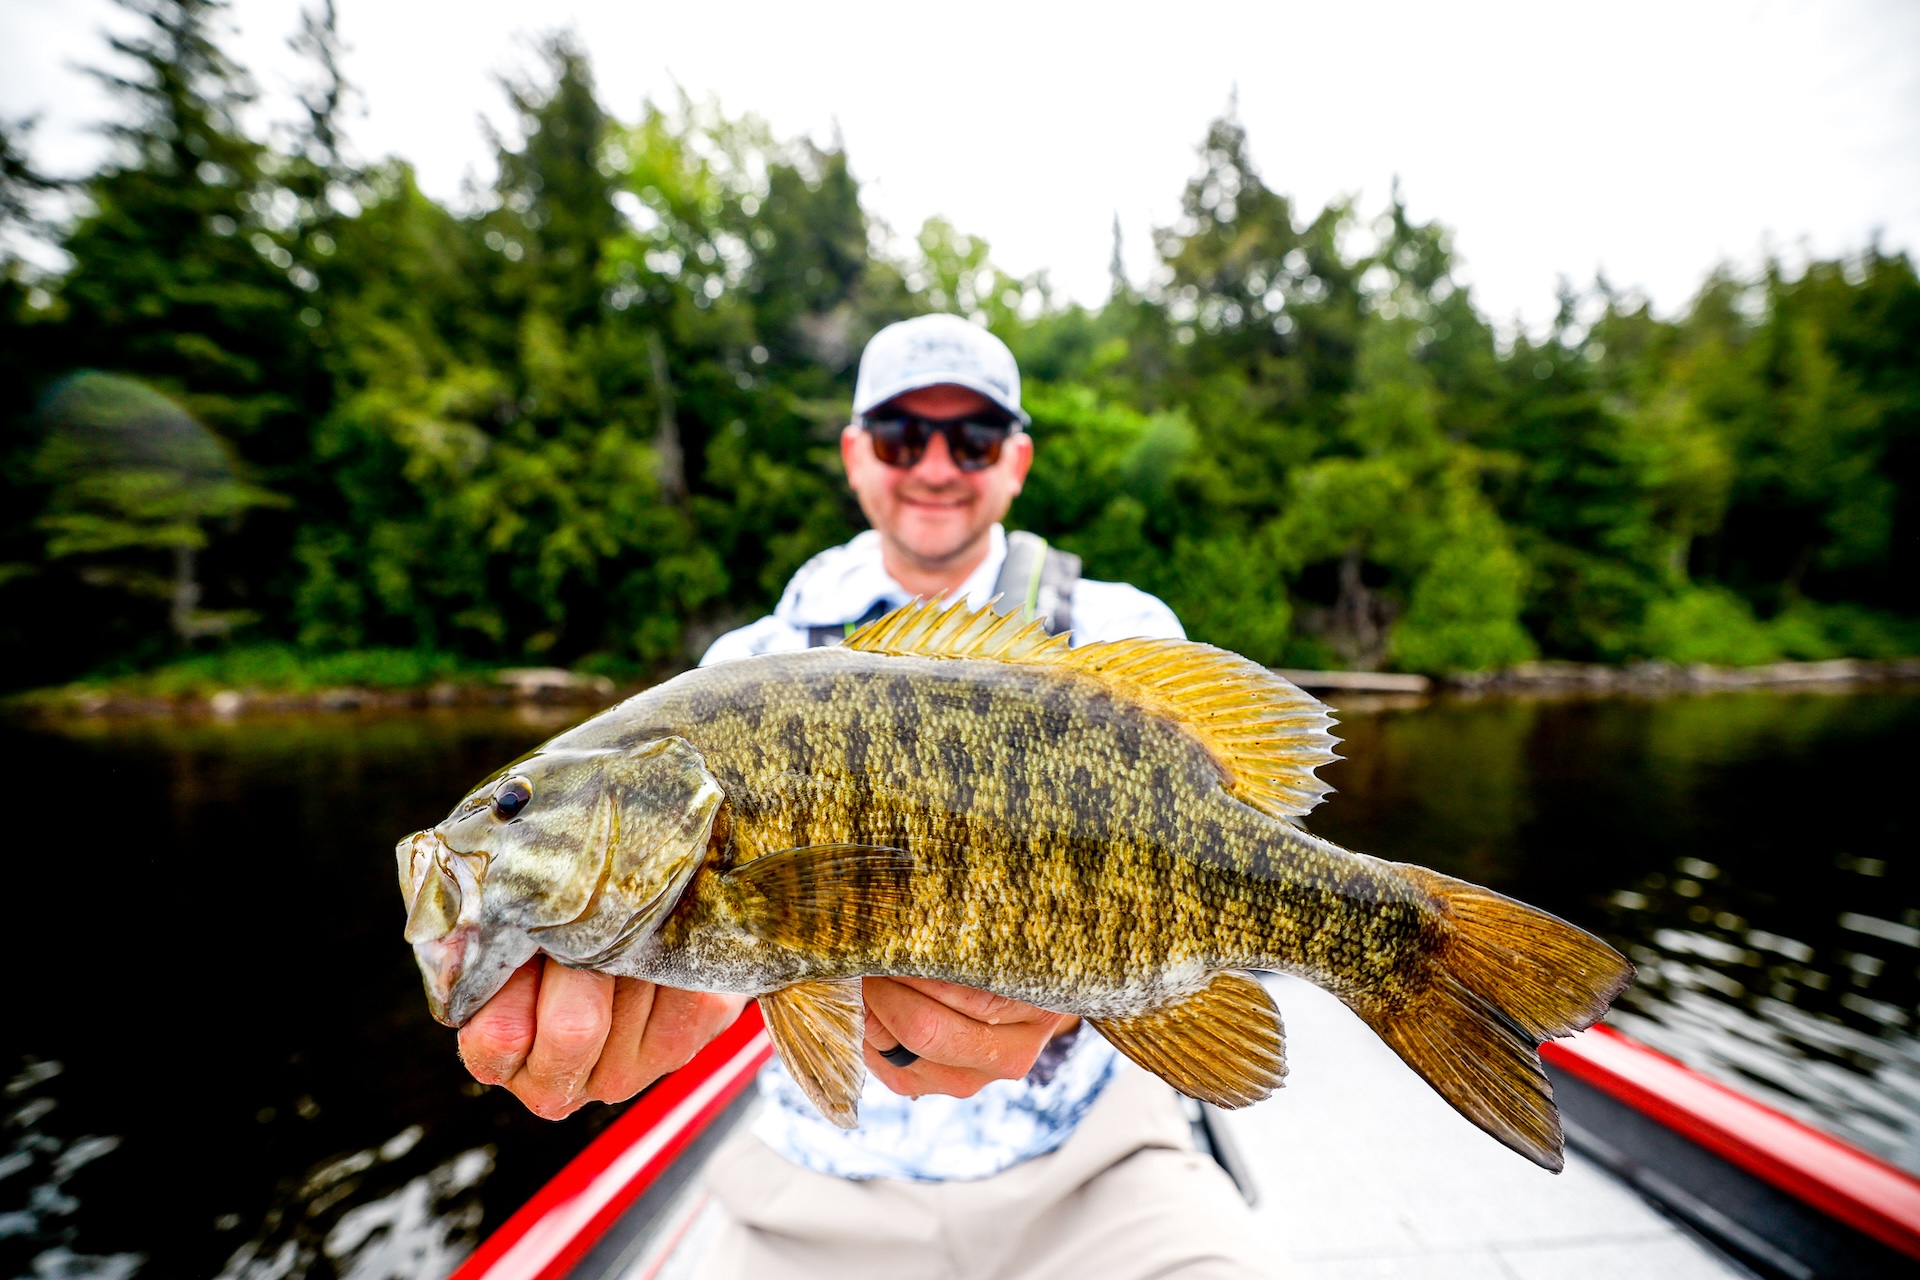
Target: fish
x,y
1112,830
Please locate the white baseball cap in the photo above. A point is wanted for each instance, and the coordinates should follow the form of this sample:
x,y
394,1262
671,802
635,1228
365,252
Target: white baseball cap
x,y
929,350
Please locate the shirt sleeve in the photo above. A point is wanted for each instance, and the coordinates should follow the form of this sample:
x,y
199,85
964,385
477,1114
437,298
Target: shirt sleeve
x,y
769,635
1117,611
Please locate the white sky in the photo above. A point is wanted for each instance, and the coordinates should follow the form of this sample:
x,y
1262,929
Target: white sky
x,y
1648,140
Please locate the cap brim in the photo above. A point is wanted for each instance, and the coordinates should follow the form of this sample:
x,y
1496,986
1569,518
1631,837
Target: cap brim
x,y
921,381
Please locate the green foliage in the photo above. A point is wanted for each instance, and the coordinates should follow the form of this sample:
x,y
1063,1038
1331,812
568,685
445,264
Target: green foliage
x,y
1707,624
1464,614
183,270
285,669
127,469
1713,624
128,473
593,421
1809,631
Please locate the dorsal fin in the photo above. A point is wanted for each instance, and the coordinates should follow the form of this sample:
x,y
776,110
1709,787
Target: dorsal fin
x,y
935,629
1267,735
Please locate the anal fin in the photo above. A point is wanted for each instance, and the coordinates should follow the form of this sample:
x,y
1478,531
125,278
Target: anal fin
x,y
817,1029
1223,1044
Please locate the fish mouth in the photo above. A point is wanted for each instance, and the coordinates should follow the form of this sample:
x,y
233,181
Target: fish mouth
x,y
442,895
442,962
464,958
436,884
467,967
418,855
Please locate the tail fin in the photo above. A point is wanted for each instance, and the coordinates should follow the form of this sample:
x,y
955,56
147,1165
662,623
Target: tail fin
x,y
1505,977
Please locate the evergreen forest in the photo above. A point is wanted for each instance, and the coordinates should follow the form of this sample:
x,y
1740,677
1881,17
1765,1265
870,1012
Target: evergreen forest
x,y
279,401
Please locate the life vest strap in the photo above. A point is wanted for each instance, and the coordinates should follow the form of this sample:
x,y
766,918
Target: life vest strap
x,y
1038,580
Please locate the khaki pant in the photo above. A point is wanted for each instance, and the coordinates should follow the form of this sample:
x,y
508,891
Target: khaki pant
x,y
1125,1198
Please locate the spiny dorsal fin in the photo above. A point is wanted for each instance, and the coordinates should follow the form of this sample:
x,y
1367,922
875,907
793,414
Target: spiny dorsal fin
x,y
935,629
1267,735
1223,1044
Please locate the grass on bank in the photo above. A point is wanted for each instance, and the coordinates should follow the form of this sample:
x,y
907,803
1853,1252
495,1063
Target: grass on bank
x,y
1713,625
283,669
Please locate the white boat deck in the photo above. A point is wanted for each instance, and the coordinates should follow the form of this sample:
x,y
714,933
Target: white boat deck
x,y
1363,1171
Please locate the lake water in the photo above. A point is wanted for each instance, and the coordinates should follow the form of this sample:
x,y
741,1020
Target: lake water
x,y
217,1060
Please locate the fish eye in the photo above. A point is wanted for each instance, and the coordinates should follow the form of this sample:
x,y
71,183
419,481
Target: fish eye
x,y
513,796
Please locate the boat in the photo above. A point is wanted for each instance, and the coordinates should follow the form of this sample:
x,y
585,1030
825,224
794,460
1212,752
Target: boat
x,y
1781,1196
1357,1166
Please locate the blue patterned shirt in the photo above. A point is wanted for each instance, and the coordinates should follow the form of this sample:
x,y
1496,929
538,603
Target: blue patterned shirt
x,y
937,1138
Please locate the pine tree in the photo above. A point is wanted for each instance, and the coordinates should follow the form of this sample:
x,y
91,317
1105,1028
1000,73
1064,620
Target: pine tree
x,y
30,347
1267,310
184,272
556,189
180,274
129,474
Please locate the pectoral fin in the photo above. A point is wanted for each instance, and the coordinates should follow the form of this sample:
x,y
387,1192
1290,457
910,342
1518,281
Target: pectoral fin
x,y
824,897
1223,1044
817,1028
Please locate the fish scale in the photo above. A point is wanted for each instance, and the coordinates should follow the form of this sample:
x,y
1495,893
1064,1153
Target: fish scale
x,y
975,781
1106,831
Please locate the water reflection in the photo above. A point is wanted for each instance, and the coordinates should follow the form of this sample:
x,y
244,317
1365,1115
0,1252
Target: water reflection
x,y
37,1205
423,1227
1821,1029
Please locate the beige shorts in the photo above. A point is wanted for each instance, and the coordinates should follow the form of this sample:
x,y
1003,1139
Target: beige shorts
x,y
1125,1198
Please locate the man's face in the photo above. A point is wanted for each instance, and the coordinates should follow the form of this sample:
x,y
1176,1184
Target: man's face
x,y
933,514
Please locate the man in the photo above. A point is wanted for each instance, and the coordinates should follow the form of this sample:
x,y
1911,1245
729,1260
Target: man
x,y
996,1139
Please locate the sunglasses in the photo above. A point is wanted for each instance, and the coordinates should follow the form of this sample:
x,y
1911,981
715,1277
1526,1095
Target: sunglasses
x,y
900,439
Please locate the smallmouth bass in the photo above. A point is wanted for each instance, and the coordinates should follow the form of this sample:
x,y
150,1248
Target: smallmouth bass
x,y
1105,831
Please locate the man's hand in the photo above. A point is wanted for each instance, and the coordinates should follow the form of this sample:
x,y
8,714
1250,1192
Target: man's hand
x,y
966,1039
558,1038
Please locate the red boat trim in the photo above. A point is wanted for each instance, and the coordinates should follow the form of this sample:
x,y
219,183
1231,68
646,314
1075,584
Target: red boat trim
x,y
564,1219
1840,1180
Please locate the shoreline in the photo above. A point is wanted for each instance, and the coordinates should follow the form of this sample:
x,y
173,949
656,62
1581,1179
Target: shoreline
x,y
508,687
1365,691
1672,677
1594,677
1349,690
